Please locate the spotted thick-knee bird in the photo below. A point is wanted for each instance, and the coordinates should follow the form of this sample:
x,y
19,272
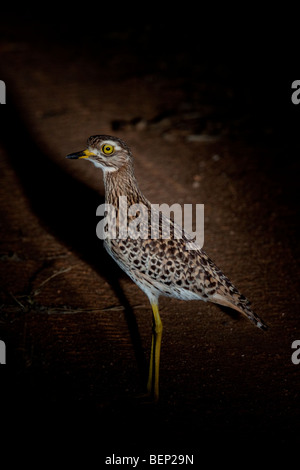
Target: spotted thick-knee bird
x,y
170,264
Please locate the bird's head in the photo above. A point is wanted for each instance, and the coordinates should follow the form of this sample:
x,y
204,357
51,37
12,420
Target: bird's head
x,y
106,152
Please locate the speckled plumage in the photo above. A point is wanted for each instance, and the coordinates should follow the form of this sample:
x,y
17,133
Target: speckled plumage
x,y
158,266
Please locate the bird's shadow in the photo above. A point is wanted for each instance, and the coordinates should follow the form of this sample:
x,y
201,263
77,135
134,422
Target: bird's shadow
x,y
65,207
230,312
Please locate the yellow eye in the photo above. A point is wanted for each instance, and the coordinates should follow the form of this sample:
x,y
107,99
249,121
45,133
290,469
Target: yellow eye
x,y
107,149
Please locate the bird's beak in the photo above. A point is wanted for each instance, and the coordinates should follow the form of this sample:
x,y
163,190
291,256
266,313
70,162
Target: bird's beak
x,y
81,154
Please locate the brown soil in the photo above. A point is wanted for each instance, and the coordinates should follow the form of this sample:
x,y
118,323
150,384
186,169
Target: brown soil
x,y
77,330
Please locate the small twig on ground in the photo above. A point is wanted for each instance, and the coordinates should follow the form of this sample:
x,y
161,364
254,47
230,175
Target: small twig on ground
x,y
57,273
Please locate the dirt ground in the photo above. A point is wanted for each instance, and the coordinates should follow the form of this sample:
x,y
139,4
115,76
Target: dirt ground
x,y
215,128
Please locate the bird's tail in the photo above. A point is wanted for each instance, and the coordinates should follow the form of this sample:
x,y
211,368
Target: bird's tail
x,y
227,294
242,306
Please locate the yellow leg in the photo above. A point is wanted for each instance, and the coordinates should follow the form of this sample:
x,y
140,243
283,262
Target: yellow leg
x,y
150,375
153,379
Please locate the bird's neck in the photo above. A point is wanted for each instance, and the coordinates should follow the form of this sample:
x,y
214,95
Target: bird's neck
x,y
122,182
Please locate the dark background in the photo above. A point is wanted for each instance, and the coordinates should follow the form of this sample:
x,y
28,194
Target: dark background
x,y
204,101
